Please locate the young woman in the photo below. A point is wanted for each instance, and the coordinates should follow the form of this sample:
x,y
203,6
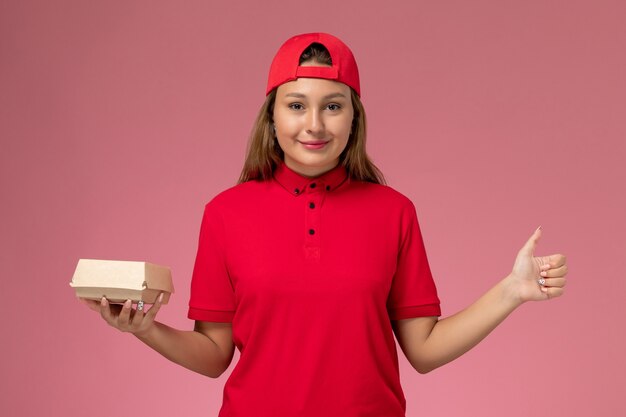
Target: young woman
x,y
310,264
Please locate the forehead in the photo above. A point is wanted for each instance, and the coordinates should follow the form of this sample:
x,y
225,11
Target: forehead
x,y
313,87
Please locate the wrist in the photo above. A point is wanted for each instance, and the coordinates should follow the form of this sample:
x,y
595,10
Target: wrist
x,y
510,292
145,335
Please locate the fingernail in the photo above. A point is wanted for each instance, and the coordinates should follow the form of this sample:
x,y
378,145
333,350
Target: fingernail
x,y
539,228
161,297
103,301
543,273
127,303
544,289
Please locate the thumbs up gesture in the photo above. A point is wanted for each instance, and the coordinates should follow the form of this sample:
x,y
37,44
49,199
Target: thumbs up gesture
x,y
536,278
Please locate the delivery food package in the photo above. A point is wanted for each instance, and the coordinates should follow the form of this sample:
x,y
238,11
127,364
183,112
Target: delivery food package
x,y
119,281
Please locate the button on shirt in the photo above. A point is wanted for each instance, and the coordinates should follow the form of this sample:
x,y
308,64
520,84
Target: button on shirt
x,y
311,271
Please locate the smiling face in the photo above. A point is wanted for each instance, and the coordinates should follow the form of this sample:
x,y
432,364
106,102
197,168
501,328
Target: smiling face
x,y
313,119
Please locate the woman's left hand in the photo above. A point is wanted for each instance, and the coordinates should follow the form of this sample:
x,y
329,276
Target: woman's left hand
x,y
536,278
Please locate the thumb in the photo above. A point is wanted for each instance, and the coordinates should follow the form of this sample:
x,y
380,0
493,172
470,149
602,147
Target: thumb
x,y
531,244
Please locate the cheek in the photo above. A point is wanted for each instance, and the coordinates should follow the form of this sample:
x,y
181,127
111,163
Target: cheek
x,y
284,144
344,128
285,123
285,136
285,133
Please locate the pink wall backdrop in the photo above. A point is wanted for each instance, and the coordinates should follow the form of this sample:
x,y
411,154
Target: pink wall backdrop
x,y
120,119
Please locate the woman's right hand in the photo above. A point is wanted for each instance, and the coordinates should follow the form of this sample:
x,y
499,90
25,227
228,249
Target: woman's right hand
x,y
124,317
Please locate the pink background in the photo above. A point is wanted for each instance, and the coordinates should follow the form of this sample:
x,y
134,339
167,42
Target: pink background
x,y
119,120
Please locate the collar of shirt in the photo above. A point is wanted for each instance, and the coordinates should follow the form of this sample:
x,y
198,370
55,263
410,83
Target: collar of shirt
x,y
297,184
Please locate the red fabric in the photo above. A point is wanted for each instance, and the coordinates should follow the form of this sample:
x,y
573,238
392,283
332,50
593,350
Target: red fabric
x,y
311,311
285,65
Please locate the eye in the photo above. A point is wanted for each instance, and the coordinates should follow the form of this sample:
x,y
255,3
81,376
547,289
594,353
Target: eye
x,y
296,106
333,107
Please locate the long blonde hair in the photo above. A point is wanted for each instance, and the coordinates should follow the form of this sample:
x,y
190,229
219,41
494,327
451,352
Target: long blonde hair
x,y
264,154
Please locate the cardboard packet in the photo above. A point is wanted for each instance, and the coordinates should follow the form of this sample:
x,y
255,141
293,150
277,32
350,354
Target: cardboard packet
x,y
119,281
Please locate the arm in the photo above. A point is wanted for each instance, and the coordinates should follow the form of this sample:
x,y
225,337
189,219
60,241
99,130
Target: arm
x,y
429,343
198,350
208,349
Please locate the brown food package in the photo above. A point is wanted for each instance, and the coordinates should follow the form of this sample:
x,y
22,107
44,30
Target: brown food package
x,y
119,281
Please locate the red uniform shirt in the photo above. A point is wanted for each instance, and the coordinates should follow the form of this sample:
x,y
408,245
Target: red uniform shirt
x,y
311,272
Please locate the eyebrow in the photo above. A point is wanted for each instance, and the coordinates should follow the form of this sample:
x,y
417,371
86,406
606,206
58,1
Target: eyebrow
x,y
327,97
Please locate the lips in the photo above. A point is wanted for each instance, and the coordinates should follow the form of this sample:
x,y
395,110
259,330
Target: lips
x,y
319,142
314,145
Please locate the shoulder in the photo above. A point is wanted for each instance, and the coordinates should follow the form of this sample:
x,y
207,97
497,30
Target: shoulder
x,y
384,195
237,195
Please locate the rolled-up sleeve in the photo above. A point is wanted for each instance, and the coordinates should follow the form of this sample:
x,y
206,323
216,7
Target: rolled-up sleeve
x,y
212,296
413,292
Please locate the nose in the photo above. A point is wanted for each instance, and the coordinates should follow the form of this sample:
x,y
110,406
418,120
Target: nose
x,y
314,123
